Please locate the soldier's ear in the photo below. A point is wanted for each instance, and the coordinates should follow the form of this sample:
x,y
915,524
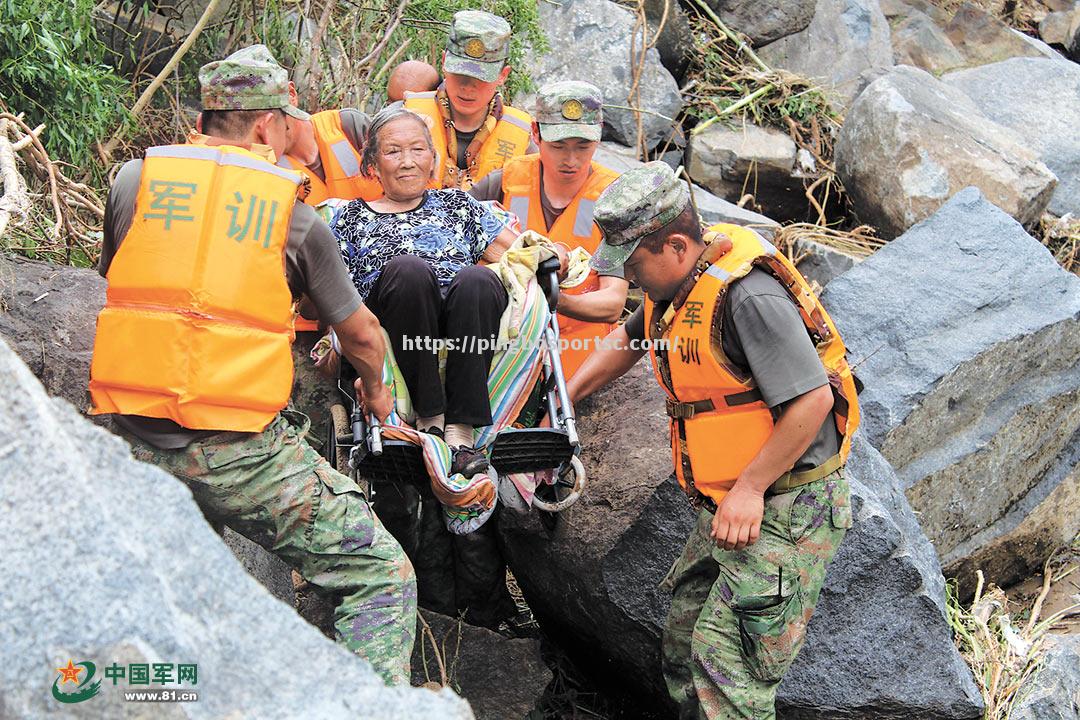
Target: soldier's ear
x,y
679,242
536,133
505,73
198,124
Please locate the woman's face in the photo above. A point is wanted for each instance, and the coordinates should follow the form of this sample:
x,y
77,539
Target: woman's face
x,y
404,161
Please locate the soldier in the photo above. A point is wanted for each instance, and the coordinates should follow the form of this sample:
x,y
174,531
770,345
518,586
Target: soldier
x,y
762,407
553,192
474,131
206,248
326,147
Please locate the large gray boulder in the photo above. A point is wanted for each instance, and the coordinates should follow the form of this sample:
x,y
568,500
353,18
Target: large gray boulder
x,y
983,38
764,22
933,141
919,41
879,635
844,47
590,40
1053,691
729,161
48,315
967,335
1039,100
674,43
110,560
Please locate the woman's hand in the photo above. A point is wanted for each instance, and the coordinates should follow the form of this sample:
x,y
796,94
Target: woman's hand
x,y
376,401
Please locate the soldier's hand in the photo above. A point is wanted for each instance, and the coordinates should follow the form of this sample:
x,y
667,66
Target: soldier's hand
x,y
737,522
377,401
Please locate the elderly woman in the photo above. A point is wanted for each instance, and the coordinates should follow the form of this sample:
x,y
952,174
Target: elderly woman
x,y
413,256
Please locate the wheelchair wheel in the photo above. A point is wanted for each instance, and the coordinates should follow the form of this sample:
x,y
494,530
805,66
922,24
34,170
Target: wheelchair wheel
x,y
338,455
565,491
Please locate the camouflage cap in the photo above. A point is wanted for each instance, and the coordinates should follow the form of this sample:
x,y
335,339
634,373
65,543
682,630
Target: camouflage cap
x,y
249,79
639,202
569,109
478,46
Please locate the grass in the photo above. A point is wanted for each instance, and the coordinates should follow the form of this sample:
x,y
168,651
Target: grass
x,y
1003,642
1062,237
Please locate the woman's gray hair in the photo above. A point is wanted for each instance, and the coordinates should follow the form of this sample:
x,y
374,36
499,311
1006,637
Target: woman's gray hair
x,y
383,118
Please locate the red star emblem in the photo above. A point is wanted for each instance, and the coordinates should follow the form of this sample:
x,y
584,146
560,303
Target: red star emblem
x,y
70,673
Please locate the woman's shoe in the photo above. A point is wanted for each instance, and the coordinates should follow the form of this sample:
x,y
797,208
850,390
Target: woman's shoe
x,y
468,461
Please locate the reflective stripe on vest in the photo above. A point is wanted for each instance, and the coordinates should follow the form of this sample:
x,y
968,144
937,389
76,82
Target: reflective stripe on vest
x,y
340,160
509,139
710,398
575,228
197,322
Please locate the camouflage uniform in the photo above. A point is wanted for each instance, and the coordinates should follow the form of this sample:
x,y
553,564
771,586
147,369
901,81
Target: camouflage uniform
x,y
738,617
273,488
569,109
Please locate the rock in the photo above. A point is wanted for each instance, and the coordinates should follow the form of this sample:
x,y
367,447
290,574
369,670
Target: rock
x,y
845,44
674,42
591,40
1054,28
48,316
821,263
616,156
896,11
1053,692
981,38
919,41
731,161
966,333
934,141
764,22
867,654
502,678
1072,38
595,588
1039,100
271,572
712,210
116,564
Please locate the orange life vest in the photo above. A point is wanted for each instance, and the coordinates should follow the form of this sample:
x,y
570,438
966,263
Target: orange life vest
x,y
575,228
509,139
318,191
719,421
340,161
198,317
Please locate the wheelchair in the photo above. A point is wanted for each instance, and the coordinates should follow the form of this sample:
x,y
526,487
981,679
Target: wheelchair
x,y
355,444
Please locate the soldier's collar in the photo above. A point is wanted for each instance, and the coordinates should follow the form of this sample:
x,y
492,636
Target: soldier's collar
x,y
264,151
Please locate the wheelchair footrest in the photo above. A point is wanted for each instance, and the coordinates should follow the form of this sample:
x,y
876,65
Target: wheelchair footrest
x,y
400,462
530,449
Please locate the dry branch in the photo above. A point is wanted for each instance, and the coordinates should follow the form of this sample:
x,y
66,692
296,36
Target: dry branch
x,y
107,149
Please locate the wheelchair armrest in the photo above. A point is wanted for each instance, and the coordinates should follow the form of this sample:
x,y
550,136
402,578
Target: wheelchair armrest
x,y
548,277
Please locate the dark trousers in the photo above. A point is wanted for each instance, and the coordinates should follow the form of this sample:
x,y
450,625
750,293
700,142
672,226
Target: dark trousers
x,y
409,303
455,574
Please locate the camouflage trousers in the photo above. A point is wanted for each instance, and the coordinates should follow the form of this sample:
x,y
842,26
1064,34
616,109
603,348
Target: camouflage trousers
x,y
275,490
738,617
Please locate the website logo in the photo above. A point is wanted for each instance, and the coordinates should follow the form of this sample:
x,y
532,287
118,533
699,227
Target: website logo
x,y
80,675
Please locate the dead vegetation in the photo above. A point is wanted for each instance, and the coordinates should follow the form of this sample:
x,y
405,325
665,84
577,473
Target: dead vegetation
x,y
1002,640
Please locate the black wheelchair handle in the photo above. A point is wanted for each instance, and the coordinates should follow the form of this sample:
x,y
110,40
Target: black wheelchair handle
x,y
547,275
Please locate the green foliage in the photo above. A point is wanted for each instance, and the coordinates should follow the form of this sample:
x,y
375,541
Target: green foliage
x,y
52,68
523,16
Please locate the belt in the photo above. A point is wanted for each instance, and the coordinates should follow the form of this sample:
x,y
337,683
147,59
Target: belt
x,y
686,410
792,480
